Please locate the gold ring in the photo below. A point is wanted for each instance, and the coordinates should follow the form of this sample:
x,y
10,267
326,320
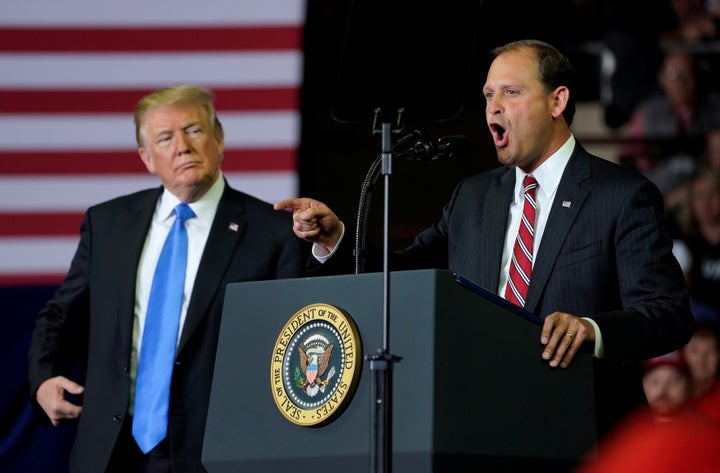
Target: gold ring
x,y
570,335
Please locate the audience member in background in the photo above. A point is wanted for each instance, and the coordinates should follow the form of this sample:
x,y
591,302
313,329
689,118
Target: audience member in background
x,y
702,355
633,44
668,128
693,21
690,442
713,7
630,56
711,152
666,382
702,233
677,200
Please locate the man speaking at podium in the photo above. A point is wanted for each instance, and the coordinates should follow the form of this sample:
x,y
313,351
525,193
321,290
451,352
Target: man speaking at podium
x,y
568,236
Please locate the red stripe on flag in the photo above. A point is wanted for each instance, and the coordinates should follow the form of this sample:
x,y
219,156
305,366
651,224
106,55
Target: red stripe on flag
x,y
118,39
31,279
128,162
14,163
114,100
41,224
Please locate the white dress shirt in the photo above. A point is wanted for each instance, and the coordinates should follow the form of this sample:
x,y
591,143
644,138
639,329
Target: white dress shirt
x,y
548,176
198,229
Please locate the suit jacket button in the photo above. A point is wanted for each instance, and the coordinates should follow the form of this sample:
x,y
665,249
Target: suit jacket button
x,y
117,418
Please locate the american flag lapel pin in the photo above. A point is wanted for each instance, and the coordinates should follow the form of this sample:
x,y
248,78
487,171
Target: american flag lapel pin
x,y
233,226
566,204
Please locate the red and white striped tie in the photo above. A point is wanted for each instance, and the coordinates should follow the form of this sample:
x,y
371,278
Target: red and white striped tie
x,y
522,259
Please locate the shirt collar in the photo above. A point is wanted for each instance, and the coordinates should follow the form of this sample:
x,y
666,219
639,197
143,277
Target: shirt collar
x,y
549,173
204,207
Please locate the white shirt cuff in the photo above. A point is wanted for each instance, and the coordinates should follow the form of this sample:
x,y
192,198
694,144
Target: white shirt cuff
x,y
599,347
323,259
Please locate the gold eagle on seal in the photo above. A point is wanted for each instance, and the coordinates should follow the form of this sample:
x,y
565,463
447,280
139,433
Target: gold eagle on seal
x,y
314,365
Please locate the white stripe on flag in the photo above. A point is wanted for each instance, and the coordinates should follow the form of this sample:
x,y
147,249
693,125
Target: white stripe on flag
x,y
155,12
150,70
63,193
29,255
117,131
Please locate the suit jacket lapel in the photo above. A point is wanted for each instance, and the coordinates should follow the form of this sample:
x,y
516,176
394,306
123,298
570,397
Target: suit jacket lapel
x,y
495,218
211,274
136,221
569,199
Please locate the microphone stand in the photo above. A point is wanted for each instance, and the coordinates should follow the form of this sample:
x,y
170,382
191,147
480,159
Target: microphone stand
x,y
381,363
366,191
368,186
424,150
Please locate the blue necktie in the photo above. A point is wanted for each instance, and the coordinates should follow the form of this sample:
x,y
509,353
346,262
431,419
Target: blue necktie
x,y
157,352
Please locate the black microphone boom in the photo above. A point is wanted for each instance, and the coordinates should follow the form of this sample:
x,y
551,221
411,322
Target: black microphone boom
x,y
426,150
452,146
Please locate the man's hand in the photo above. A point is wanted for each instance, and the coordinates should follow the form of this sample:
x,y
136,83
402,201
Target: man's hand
x,y
313,221
51,397
562,335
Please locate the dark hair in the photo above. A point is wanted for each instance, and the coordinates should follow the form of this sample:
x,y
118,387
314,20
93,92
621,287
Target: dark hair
x,y
554,69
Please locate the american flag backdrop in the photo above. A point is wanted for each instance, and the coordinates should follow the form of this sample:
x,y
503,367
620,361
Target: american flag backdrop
x,y
70,74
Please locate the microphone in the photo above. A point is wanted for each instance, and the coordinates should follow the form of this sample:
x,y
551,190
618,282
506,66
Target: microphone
x,y
452,146
427,150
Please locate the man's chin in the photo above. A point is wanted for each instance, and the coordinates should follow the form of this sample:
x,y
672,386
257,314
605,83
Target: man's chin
x,y
505,158
191,189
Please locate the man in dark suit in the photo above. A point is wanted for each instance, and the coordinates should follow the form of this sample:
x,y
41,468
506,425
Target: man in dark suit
x,y
603,271
102,305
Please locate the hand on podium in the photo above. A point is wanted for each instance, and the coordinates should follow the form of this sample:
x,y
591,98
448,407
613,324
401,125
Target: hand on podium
x,y
563,335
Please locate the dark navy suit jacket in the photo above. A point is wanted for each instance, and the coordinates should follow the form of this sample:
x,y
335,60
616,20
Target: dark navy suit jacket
x,y
605,254
94,308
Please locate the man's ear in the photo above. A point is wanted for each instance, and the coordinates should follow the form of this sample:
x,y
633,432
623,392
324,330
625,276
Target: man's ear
x,y
147,160
560,98
221,149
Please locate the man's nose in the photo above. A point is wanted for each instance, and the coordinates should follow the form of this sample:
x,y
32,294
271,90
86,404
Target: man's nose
x,y
493,105
182,143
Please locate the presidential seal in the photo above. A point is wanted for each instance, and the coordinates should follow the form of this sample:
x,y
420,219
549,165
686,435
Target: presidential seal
x,y
315,365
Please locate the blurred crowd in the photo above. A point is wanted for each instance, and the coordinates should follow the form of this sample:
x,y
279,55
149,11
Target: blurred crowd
x,y
670,131
680,430
662,95
668,122
672,135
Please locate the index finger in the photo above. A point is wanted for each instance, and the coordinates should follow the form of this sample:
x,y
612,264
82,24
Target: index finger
x,y
289,204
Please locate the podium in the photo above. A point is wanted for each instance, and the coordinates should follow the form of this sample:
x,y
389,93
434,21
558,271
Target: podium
x,y
470,393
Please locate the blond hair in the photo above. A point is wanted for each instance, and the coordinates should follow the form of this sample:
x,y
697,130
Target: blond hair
x,y
177,95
